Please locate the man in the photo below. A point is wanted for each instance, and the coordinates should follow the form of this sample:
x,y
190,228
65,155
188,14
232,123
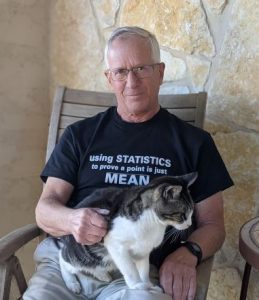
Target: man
x,y
137,135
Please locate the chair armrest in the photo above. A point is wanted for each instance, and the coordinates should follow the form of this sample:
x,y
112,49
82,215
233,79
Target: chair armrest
x,y
203,278
13,241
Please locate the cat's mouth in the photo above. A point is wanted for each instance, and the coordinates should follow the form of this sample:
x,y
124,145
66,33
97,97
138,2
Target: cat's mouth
x,y
181,224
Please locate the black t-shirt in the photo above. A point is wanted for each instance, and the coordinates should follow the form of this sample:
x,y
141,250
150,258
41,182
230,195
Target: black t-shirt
x,y
106,151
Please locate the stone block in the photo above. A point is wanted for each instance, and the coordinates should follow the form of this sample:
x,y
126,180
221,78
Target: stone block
x,y
215,6
76,44
199,70
174,67
106,11
179,25
234,92
171,88
225,284
239,151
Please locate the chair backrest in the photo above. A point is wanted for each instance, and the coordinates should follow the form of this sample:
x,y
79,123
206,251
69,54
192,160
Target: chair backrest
x,y
71,105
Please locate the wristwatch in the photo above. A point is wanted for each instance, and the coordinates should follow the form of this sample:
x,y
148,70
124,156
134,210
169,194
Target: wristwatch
x,y
194,248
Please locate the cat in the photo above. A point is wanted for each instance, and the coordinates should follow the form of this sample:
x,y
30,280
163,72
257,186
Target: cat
x,y
137,220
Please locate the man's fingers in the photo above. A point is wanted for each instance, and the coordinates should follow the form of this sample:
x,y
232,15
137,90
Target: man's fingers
x,y
91,239
192,288
166,283
178,288
98,220
102,211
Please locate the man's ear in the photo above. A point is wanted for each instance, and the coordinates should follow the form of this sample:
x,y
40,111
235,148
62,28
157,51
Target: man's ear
x,y
108,76
161,71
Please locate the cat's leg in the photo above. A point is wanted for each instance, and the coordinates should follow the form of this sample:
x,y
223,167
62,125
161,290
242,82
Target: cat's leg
x,y
100,273
69,275
127,267
143,269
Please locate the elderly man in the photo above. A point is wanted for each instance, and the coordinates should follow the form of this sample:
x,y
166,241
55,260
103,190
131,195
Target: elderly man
x,y
140,131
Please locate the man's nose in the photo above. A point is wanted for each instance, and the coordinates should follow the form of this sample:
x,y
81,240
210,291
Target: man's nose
x,y
132,80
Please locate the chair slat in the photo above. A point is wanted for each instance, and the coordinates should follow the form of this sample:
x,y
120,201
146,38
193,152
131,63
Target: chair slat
x,y
89,97
108,99
72,105
67,120
186,114
83,111
178,101
80,110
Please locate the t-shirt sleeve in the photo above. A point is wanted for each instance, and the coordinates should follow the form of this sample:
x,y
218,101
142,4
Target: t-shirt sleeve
x,y
212,173
64,160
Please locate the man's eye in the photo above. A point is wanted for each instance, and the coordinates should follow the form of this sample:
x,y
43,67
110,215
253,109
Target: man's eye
x,y
119,72
140,68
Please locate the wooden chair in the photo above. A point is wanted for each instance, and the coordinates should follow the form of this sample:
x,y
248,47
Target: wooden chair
x,y
69,106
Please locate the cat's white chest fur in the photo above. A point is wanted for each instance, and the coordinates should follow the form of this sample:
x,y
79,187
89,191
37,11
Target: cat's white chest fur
x,y
139,236
130,243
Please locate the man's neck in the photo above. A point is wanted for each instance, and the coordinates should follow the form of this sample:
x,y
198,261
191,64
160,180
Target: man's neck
x,y
137,118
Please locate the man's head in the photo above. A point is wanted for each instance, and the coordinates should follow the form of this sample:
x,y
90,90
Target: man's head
x,y
134,72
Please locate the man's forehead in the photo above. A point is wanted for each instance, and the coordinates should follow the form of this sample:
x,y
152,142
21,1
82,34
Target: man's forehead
x,y
132,45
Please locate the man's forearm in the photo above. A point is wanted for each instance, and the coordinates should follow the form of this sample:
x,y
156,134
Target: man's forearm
x,y
209,237
53,217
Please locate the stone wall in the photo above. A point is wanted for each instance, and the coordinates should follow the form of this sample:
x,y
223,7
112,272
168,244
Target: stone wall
x,y
208,45
24,111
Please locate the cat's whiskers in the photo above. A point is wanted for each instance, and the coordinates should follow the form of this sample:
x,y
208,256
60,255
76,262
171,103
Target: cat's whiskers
x,y
173,234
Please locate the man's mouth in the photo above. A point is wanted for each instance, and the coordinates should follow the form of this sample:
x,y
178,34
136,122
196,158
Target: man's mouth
x,y
133,94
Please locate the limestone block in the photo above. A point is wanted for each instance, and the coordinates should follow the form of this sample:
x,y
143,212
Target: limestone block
x,y
234,92
77,47
199,70
179,25
224,284
174,67
215,6
171,88
106,11
239,151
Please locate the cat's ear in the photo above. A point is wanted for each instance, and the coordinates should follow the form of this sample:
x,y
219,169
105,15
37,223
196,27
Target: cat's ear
x,y
190,178
175,190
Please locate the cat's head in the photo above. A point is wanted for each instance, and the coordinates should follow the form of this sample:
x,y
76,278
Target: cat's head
x,y
173,204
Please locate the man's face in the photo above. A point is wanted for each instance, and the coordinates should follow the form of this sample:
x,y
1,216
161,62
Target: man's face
x,y
136,97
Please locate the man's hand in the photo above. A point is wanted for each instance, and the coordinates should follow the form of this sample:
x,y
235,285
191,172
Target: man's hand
x,y
88,226
178,274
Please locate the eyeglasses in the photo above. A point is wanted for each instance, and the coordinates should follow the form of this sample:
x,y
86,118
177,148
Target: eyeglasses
x,y
140,72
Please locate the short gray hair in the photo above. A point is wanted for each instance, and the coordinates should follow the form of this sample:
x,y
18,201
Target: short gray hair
x,y
137,31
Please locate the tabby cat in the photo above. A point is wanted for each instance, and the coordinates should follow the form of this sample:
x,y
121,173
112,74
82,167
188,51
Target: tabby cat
x,y
137,220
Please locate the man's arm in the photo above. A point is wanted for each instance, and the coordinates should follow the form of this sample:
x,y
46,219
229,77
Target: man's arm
x,y
178,271
52,215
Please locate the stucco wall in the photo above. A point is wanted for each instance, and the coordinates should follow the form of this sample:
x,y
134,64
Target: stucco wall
x,y
24,110
207,45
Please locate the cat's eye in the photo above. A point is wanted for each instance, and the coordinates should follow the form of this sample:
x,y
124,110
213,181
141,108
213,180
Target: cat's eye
x,y
182,217
178,217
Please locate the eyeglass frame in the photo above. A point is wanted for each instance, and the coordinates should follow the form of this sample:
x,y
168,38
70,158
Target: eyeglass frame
x,y
109,71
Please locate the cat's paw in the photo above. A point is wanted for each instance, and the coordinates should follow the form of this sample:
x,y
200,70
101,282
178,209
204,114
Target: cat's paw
x,y
156,288
74,286
142,286
104,277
